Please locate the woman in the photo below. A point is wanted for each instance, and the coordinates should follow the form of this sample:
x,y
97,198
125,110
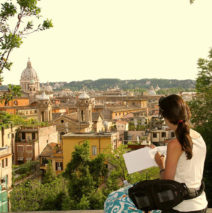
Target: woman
x,y
184,160
185,154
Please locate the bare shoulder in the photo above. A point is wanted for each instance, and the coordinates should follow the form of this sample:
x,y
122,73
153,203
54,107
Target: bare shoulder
x,y
174,144
194,134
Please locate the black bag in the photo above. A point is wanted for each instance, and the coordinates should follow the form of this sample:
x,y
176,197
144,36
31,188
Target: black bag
x,y
161,194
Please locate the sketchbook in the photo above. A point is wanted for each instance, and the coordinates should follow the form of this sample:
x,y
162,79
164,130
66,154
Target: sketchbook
x,y
143,158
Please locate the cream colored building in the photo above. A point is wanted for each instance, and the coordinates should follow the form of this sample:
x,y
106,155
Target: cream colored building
x,y
161,136
7,145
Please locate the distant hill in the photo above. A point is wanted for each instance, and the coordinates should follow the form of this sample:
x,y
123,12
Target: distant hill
x,y
103,84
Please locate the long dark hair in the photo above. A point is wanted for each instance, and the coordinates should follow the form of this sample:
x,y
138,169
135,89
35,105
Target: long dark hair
x,y
177,112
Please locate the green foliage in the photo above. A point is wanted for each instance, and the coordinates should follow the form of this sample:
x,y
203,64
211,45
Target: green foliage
x,y
13,91
84,203
26,167
7,119
116,160
12,35
97,200
168,86
98,169
34,196
85,177
119,172
24,170
24,12
201,109
50,175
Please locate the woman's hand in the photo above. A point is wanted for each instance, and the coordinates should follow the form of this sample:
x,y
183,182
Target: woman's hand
x,y
160,160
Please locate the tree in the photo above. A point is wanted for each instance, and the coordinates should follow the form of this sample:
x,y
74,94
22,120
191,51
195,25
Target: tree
x,y
201,109
25,13
98,169
85,177
50,175
34,196
119,172
12,91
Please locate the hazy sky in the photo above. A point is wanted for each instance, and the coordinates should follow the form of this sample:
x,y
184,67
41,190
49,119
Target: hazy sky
x,y
125,39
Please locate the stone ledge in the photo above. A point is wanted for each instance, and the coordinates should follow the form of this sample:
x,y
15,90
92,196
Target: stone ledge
x,y
80,211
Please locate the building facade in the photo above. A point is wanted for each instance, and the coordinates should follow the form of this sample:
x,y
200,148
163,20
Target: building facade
x,y
31,141
99,143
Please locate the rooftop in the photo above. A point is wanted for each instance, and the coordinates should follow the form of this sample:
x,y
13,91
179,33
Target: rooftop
x,y
88,134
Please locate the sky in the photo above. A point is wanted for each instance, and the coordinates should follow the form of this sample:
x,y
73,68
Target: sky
x,y
125,39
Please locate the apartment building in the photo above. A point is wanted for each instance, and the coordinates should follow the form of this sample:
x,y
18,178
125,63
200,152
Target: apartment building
x,y
31,141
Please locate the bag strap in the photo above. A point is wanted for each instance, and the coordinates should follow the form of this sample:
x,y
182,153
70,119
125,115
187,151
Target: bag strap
x,y
193,193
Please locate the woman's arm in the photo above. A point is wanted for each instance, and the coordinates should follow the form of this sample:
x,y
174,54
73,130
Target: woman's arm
x,y
168,166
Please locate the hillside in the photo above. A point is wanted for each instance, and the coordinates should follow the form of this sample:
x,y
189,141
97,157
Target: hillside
x,y
103,84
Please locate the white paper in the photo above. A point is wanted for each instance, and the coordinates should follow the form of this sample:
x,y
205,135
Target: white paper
x,y
143,158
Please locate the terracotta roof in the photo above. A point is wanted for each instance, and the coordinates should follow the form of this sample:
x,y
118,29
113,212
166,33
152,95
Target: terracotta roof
x,y
48,150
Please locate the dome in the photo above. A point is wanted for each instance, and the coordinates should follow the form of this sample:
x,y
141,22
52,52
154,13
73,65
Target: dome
x,y
151,91
84,95
49,88
43,97
29,74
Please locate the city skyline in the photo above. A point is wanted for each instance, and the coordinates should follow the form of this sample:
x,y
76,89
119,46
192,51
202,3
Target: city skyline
x,y
117,39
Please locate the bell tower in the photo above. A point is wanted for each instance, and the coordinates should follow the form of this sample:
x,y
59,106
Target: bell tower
x,y
84,108
44,107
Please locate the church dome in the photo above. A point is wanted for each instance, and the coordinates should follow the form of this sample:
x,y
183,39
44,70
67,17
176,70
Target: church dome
x,y
43,96
84,95
29,74
151,91
49,88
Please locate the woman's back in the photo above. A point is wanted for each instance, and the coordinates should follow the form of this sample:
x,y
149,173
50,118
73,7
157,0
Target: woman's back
x,y
190,172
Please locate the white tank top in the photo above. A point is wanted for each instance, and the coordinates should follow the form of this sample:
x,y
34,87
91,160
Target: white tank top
x,y
190,172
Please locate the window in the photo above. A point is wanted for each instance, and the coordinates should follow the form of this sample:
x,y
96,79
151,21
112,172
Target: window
x,y
172,134
20,149
2,163
33,136
62,121
154,135
8,135
82,115
29,149
42,116
163,134
59,166
94,150
23,135
6,163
